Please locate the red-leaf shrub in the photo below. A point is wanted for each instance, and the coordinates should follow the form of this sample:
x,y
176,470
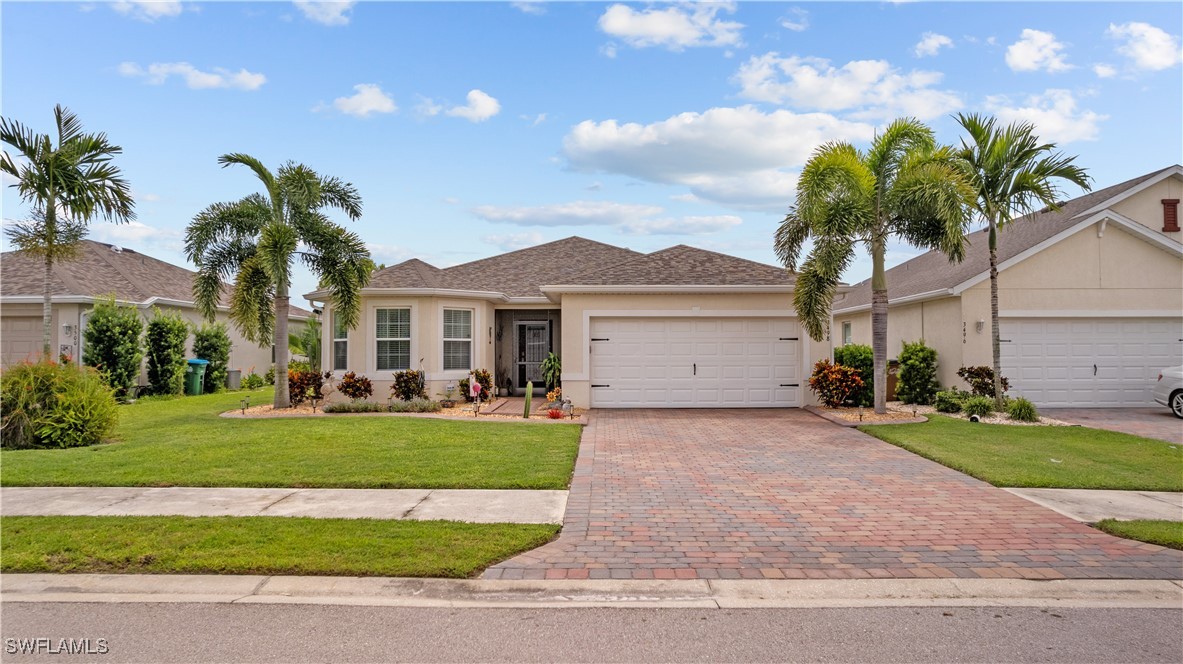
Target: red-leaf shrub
x,y
355,387
833,383
408,385
981,380
305,385
555,413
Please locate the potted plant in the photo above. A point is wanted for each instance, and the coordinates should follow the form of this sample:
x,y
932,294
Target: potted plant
x,y
552,371
449,396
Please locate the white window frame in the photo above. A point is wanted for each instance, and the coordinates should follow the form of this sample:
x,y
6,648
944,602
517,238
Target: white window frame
x,y
444,339
333,340
373,323
847,333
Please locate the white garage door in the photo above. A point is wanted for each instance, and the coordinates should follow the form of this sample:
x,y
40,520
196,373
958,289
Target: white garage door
x,y
1088,362
695,362
20,338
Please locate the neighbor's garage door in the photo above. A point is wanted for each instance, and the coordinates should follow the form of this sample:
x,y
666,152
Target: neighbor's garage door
x,y
20,338
1088,362
695,362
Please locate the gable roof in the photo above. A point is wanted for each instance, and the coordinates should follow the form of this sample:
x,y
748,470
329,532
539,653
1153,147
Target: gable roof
x,y
100,270
685,266
932,272
582,262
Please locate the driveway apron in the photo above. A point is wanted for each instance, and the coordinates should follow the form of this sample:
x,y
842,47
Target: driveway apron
x,y
707,494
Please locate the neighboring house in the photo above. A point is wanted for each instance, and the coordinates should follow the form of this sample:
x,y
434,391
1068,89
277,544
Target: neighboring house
x,y
1090,298
102,270
681,327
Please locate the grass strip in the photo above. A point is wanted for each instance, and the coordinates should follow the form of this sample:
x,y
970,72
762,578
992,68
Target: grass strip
x,y
1162,533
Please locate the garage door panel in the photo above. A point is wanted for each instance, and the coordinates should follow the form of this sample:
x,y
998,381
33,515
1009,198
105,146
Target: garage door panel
x,y
1107,363
20,338
722,362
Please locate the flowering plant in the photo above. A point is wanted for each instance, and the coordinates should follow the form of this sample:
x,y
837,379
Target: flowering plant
x,y
555,394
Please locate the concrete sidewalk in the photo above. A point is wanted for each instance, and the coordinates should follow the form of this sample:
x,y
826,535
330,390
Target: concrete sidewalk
x,y
1091,506
697,593
477,506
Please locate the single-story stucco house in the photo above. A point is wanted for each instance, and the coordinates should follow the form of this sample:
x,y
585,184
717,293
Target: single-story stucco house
x,y
102,270
682,327
1090,298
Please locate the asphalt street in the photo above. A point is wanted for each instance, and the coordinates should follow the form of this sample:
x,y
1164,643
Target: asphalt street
x,y
302,633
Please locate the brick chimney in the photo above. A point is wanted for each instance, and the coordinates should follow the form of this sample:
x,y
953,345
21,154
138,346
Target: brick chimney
x,y
1170,215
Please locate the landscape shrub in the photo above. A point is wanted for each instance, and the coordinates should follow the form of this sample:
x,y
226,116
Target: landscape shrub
x,y
833,383
113,344
949,401
917,377
408,385
486,382
293,365
355,387
48,404
356,407
253,381
416,406
305,385
165,341
860,358
980,406
211,342
555,413
1022,410
981,380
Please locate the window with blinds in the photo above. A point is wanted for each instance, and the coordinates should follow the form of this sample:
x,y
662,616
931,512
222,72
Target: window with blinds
x,y
340,345
393,334
457,339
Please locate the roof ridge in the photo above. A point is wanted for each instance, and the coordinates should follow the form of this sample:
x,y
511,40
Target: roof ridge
x,y
106,258
537,246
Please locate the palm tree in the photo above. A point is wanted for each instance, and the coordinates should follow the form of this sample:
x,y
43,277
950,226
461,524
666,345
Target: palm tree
x,y
1013,175
905,186
255,240
67,185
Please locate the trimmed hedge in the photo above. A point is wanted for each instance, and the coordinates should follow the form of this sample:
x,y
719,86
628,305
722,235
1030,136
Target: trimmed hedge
x,y
113,344
165,338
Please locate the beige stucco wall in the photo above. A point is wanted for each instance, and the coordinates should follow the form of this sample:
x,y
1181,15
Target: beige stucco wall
x,y
1145,207
937,322
577,307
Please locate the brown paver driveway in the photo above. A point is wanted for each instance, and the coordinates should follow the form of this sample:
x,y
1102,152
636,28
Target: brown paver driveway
x,y
784,494
1157,422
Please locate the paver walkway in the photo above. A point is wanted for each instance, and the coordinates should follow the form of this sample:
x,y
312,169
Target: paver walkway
x,y
784,494
474,505
1157,422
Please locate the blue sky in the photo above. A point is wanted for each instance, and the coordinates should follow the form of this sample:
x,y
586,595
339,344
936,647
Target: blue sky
x,y
474,128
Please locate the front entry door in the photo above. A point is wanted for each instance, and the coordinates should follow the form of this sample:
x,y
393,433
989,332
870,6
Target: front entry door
x,y
532,348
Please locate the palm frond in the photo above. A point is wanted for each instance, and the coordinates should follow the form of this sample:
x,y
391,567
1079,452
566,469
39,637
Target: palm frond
x,y
277,244
251,303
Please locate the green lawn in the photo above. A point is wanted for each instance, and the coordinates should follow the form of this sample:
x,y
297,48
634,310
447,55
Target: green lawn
x,y
183,442
1162,533
260,545
1035,456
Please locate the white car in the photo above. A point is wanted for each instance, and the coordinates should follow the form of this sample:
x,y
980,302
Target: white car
x,y
1169,390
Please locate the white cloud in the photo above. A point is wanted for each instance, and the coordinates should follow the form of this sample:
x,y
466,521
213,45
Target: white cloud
x,y
674,27
135,234
532,7
608,50
739,156
796,19
148,10
534,120
391,254
159,72
427,107
326,13
480,107
628,218
368,99
869,88
1037,50
1103,70
931,43
1054,114
1146,46
514,241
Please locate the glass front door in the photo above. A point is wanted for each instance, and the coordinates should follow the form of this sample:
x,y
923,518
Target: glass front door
x,y
533,345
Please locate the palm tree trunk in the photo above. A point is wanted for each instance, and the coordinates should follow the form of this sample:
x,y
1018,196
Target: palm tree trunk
x,y
281,347
879,323
47,308
995,336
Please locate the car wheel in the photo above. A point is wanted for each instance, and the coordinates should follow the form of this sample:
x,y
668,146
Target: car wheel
x,y
1177,403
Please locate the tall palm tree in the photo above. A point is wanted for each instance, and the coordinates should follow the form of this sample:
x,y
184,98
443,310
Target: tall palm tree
x,y
256,239
905,186
67,185
1013,175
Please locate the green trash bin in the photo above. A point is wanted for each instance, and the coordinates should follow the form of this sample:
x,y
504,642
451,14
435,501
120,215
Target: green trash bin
x,y
195,377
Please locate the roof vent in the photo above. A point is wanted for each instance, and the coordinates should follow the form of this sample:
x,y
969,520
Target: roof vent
x,y
117,249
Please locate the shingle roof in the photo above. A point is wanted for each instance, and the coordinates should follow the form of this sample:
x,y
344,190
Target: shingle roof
x,y
683,265
932,271
101,270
